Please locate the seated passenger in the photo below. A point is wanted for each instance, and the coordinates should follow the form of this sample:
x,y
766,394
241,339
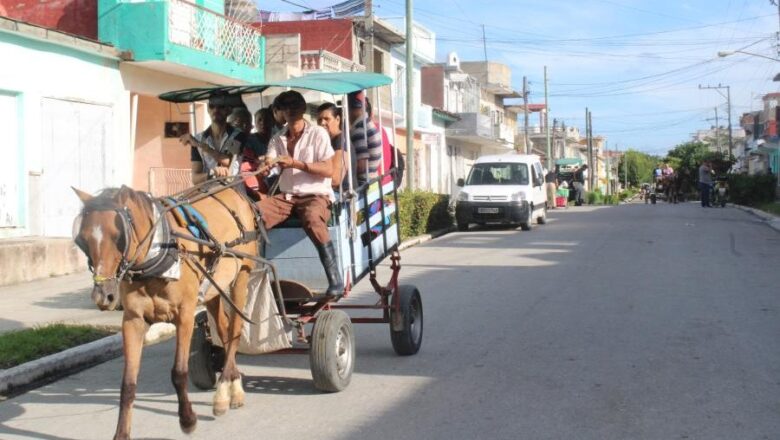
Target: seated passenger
x,y
254,148
386,161
365,138
304,154
329,118
215,151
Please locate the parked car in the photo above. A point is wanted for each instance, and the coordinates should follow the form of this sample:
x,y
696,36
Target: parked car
x,y
504,189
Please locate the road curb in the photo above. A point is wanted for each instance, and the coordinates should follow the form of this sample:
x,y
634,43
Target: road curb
x,y
414,241
41,371
771,220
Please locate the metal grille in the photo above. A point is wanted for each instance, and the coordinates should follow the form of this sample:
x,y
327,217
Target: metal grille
x,y
198,28
167,181
490,198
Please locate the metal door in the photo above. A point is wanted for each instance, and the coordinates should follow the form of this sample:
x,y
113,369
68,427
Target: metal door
x,y
11,167
76,139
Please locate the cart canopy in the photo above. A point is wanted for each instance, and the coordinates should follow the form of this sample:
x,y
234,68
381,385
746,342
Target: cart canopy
x,y
333,83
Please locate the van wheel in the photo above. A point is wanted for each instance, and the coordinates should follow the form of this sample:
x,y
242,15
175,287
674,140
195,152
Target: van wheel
x,y
542,219
526,225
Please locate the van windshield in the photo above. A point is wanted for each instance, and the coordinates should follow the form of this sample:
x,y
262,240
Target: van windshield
x,y
498,174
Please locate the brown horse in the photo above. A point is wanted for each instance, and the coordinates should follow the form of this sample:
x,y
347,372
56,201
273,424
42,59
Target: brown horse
x,y
113,234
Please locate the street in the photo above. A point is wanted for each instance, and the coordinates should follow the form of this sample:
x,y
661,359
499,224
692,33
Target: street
x,y
627,322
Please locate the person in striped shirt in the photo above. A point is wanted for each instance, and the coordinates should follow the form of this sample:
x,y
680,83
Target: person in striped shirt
x,y
365,137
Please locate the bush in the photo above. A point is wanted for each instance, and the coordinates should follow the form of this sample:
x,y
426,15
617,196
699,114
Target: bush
x,y
751,190
611,199
422,212
594,198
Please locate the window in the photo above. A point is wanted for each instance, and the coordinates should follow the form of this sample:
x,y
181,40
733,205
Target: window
x,y
498,174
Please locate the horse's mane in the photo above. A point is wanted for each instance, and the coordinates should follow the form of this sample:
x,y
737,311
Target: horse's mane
x,y
110,198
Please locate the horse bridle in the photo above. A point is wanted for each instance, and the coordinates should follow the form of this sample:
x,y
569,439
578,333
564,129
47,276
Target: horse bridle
x,y
124,265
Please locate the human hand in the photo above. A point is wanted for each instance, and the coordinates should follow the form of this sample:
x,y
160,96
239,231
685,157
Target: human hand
x,y
221,171
188,140
285,162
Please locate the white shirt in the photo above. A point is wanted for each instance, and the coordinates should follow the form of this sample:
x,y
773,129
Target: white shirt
x,y
313,146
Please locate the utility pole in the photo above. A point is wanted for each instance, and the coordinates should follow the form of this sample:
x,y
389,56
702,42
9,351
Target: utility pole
x,y
410,162
609,182
589,133
563,131
547,120
717,130
728,109
525,116
554,143
484,43
369,24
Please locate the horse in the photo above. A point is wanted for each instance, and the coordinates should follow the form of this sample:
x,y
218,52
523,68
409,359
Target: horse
x,y
114,231
672,188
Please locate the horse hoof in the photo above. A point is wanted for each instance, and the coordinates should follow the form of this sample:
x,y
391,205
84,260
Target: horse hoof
x,y
188,425
236,394
220,407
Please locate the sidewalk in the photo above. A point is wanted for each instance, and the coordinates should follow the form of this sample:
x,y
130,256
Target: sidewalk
x,y
59,299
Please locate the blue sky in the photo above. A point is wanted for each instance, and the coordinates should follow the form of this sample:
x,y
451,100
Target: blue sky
x,y
636,64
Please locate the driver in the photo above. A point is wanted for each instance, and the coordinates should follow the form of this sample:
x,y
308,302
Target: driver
x,y
304,153
215,151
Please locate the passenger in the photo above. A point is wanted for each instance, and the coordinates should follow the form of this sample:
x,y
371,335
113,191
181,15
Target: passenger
x,y
386,163
253,151
329,118
365,138
215,152
304,154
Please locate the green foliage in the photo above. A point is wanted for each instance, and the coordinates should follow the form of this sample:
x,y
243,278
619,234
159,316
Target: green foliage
x,y
594,198
422,212
751,190
640,167
611,199
770,207
20,346
625,194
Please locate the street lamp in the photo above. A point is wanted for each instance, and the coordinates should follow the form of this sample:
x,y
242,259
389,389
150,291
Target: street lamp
x,y
725,53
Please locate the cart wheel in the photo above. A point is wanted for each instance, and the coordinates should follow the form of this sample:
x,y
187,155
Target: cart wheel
x,y
653,199
526,225
408,340
204,361
332,353
542,219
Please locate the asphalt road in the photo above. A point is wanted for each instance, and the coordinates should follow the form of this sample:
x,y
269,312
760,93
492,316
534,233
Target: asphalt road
x,y
629,322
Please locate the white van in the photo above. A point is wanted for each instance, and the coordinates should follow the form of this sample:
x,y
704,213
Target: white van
x,y
505,189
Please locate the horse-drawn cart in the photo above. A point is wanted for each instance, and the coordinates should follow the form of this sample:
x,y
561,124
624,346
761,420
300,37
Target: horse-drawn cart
x,y
364,229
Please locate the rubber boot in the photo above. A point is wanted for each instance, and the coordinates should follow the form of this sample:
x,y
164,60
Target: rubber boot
x,y
330,264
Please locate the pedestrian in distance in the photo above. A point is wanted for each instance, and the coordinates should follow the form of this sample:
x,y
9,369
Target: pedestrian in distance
x,y
705,183
579,184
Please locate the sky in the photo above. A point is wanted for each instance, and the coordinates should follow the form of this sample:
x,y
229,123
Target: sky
x,y
636,64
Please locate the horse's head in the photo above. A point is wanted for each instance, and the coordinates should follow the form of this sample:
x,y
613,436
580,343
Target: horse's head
x,y
102,231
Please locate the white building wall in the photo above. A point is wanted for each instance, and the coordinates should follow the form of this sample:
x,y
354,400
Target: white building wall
x,y
85,94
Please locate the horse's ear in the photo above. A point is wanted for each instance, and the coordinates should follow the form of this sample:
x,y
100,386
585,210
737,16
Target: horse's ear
x,y
82,195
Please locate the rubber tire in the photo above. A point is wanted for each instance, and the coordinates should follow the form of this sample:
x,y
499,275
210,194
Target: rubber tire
x,y
323,357
723,204
542,220
463,227
201,361
653,199
526,225
409,340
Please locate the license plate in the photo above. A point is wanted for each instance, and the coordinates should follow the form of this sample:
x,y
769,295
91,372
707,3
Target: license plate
x,y
487,210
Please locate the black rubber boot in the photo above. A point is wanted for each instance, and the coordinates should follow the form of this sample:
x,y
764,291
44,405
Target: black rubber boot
x,y
330,264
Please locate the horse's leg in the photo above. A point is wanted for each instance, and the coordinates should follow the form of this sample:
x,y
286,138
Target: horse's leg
x,y
184,327
231,375
222,395
133,329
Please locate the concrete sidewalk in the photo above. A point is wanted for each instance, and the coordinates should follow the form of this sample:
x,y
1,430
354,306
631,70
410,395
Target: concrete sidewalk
x,y
59,299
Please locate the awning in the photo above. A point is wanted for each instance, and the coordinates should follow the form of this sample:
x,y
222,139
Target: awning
x,y
569,161
335,83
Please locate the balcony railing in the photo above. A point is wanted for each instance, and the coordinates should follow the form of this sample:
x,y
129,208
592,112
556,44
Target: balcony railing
x,y
192,26
324,61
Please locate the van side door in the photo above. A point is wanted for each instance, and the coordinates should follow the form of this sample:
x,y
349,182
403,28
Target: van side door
x,y
539,195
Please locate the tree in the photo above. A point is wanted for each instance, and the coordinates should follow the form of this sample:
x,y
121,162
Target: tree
x,y
689,156
640,167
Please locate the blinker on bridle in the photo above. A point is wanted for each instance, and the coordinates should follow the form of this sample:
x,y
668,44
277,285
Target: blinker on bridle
x,y
124,265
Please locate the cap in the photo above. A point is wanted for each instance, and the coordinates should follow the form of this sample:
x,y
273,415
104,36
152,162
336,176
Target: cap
x,y
356,99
